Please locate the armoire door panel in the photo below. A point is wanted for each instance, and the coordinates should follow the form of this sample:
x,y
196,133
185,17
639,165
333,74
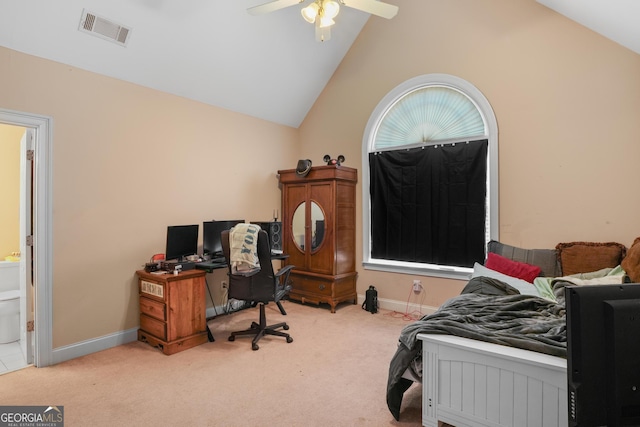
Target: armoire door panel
x,y
321,260
293,199
345,212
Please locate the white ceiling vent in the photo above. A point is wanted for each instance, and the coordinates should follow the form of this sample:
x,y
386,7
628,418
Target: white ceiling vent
x,y
103,28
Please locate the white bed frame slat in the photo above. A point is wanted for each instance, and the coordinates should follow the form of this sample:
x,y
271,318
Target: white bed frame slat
x,y
469,383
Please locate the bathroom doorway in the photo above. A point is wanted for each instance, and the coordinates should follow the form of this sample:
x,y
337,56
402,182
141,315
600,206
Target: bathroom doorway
x,y
35,235
16,296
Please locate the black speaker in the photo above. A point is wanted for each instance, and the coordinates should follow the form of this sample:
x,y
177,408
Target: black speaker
x,y
274,230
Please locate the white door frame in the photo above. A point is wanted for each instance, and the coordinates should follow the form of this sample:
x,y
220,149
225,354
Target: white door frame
x,y
26,278
42,228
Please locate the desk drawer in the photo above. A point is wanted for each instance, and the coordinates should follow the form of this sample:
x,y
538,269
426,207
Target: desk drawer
x,y
153,326
153,308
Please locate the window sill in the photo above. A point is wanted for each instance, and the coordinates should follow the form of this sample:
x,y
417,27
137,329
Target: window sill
x,y
458,273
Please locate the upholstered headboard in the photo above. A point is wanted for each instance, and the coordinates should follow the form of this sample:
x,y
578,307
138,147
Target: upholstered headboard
x,y
546,259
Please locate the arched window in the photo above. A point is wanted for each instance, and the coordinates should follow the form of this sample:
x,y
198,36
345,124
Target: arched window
x,y
430,178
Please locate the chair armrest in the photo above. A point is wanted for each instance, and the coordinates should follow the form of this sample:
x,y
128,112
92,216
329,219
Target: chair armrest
x,y
280,280
285,269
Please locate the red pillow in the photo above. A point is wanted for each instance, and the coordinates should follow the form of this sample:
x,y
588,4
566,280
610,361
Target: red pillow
x,y
511,268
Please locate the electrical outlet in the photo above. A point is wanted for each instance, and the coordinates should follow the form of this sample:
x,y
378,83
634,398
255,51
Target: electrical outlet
x,y
224,285
417,286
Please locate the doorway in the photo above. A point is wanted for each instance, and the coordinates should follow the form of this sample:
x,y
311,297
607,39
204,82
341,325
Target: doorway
x,y
16,296
36,234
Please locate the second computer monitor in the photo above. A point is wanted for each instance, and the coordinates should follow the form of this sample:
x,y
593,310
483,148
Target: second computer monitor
x,y
211,241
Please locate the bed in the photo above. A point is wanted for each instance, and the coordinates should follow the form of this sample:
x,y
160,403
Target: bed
x,y
496,354
473,383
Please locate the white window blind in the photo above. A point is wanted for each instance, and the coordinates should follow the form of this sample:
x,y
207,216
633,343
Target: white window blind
x,y
429,114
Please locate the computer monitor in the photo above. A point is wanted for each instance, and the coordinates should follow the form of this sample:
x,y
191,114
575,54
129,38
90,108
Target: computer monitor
x,y
603,355
182,241
211,242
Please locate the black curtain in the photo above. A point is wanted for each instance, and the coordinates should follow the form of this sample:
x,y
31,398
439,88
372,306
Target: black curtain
x,y
428,204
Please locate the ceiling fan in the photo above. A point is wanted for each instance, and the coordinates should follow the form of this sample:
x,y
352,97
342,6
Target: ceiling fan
x,y
322,12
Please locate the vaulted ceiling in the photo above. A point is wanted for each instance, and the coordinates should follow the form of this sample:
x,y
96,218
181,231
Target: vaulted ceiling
x,y
618,20
213,51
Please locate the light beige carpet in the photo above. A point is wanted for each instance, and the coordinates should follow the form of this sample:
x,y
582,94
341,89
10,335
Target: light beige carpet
x,y
334,373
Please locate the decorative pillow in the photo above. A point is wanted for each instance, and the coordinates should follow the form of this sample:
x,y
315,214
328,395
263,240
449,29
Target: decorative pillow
x,y
546,259
631,263
511,268
607,280
582,257
525,288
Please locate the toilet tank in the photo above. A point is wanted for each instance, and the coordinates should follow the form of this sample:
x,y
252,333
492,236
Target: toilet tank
x,y
9,276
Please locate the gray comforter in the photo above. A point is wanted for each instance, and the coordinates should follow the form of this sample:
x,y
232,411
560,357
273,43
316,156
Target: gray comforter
x,y
487,310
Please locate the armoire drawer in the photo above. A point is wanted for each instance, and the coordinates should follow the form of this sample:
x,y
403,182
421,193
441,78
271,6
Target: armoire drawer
x,y
312,285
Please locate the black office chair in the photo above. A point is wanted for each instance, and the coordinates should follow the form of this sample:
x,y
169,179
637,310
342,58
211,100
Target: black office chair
x,y
261,287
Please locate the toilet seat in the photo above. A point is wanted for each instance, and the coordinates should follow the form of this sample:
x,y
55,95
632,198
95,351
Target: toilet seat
x,y
9,295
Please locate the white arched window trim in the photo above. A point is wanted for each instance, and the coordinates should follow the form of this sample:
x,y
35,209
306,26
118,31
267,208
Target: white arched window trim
x,y
368,144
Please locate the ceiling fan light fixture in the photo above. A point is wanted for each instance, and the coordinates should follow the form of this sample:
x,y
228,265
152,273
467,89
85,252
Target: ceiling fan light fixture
x,y
321,12
325,22
326,10
310,12
330,8
322,33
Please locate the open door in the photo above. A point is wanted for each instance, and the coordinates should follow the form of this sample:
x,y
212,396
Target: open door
x,y
37,262
26,245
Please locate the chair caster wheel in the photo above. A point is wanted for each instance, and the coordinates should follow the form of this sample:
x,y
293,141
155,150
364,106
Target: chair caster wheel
x,y
289,339
232,338
254,347
285,327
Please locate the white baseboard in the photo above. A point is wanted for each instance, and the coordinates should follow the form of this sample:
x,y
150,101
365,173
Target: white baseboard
x,y
83,348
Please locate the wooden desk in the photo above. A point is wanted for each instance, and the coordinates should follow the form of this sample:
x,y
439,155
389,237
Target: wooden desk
x,y
172,310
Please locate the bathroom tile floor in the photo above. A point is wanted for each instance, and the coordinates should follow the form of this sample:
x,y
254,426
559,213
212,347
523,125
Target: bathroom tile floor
x,y
11,358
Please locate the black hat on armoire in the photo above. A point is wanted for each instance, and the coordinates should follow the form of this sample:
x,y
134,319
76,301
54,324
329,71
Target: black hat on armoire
x,y
303,168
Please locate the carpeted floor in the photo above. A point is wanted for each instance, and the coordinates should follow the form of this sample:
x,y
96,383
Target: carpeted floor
x,y
334,373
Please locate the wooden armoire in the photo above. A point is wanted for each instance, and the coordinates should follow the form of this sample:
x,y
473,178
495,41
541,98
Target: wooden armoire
x,y
319,233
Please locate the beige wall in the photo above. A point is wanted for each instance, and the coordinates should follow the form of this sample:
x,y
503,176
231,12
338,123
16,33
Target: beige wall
x,y
127,162
10,189
566,100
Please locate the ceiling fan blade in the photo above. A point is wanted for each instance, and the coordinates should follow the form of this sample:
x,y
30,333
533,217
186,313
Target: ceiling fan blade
x,y
272,6
374,7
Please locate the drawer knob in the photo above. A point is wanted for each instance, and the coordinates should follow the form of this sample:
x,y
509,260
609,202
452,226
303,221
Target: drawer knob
x,y
321,287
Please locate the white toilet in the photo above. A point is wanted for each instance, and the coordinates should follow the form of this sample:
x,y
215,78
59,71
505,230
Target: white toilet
x,y
9,302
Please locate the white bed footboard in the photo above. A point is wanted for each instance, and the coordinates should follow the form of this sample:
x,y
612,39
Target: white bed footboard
x,y
469,383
